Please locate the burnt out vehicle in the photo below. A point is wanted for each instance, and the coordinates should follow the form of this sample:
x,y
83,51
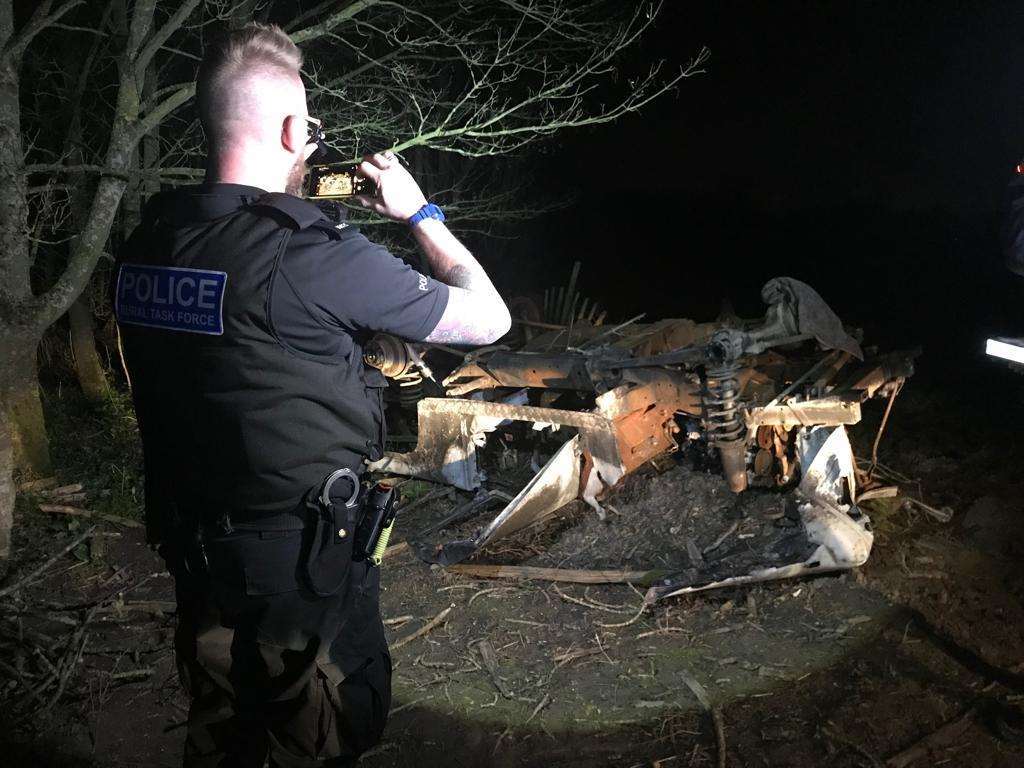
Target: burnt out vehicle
x,y
765,402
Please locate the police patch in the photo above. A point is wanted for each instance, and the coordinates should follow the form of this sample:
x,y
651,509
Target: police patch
x,y
177,299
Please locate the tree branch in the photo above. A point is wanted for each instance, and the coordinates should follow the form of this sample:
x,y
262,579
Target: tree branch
x,y
142,20
346,14
156,115
162,35
41,19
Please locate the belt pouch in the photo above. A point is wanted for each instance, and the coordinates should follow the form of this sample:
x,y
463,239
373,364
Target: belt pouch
x,y
330,549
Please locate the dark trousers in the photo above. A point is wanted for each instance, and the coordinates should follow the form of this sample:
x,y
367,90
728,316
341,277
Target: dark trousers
x,y
275,671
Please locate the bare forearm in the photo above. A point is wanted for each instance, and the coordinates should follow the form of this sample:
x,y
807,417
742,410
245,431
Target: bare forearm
x,y
450,260
476,313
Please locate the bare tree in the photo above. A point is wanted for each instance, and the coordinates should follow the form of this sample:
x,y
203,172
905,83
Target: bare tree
x,y
471,78
25,315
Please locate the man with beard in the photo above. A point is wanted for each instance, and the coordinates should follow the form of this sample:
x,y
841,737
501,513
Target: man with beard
x,y
244,311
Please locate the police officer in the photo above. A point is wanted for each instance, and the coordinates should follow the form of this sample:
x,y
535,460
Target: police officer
x,y
244,311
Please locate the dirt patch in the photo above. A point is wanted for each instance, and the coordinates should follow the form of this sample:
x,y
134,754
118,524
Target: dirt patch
x,y
684,519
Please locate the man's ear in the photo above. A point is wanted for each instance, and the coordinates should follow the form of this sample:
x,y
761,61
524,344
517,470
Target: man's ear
x,y
293,133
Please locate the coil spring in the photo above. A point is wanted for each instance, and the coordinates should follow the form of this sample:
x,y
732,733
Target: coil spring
x,y
410,387
720,404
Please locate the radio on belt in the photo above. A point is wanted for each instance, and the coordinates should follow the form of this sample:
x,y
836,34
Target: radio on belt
x,y
375,531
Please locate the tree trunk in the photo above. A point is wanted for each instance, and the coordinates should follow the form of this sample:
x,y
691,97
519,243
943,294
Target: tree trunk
x,y
23,441
19,399
91,375
6,492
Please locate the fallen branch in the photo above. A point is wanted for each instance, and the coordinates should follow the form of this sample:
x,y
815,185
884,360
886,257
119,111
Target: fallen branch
x,y
882,492
567,575
63,509
69,661
942,738
31,576
419,501
37,485
490,661
943,515
562,659
626,623
155,607
430,625
585,603
64,490
396,549
718,542
536,710
132,675
716,716
843,741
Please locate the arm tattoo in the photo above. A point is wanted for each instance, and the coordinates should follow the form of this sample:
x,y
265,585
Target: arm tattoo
x,y
461,276
475,313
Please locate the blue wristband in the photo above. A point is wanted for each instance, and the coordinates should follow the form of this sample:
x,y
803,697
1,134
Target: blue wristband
x,y
428,211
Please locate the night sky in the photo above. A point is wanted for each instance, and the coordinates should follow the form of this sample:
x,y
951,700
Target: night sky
x,y
861,146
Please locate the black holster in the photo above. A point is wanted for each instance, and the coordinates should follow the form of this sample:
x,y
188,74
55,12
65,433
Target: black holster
x,y
332,521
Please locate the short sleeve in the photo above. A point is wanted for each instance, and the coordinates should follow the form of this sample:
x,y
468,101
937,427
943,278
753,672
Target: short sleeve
x,y
355,285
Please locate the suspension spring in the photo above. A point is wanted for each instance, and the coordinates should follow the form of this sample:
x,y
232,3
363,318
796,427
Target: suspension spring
x,y
723,421
410,387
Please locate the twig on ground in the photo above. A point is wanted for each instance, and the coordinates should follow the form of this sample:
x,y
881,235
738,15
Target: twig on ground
x,y
843,741
716,716
490,662
430,625
33,574
421,500
943,515
398,620
155,607
718,542
566,575
636,618
939,739
37,485
63,509
133,675
562,659
396,549
585,603
76,647
543,703
408,705
488,591
64,490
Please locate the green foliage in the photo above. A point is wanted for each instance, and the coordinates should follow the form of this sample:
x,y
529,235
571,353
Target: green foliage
x,y
413,489
99,447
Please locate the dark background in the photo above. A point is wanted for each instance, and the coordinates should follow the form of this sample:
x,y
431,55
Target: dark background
x,y
863,147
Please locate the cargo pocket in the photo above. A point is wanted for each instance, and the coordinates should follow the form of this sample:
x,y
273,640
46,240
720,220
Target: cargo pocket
x,y
365,696
259,562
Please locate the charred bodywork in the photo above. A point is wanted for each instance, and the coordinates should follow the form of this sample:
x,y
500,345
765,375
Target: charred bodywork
x,y
769,398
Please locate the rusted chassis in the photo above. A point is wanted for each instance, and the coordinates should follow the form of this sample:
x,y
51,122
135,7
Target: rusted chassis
x,y
762,394
629,425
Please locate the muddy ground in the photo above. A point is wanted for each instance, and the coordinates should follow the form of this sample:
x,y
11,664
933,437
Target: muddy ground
x,y
845,670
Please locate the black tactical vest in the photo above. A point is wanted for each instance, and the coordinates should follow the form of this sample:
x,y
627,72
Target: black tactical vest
x,y
233,419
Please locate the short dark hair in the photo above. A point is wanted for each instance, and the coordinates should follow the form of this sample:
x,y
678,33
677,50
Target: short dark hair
x,y
250,48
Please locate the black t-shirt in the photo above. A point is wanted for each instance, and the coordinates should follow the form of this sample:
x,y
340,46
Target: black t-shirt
x,y
349,286
329,291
